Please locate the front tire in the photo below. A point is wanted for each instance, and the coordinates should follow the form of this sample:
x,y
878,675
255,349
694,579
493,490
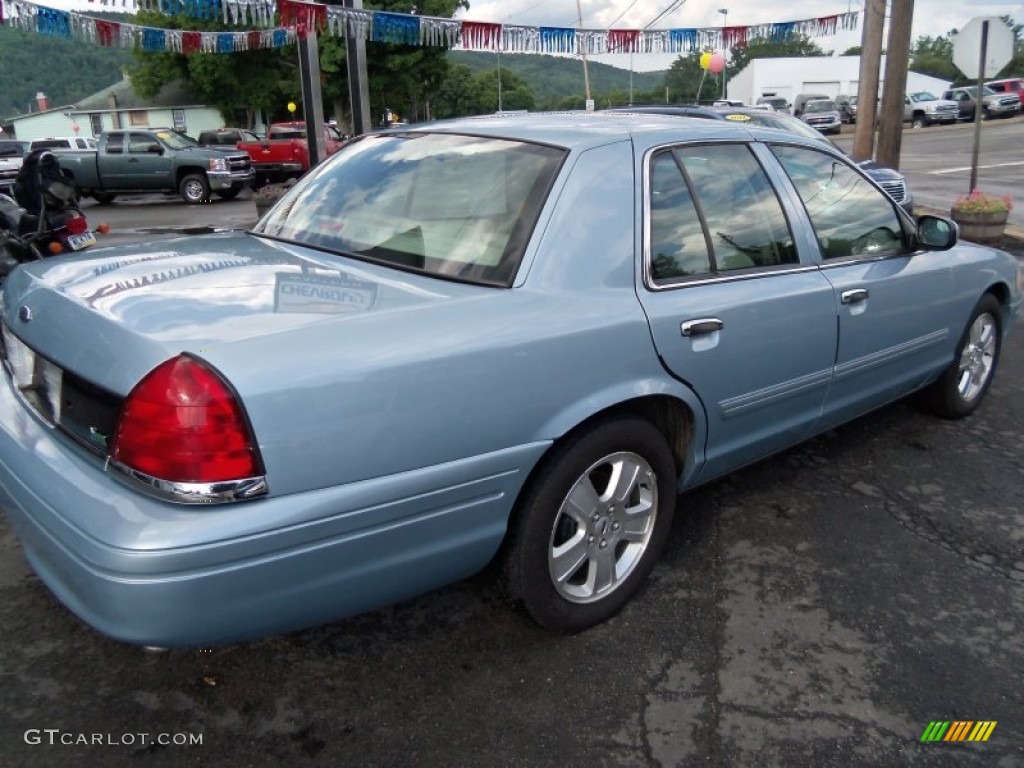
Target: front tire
x,y
194,189
104,198
589,527
920,122
960,390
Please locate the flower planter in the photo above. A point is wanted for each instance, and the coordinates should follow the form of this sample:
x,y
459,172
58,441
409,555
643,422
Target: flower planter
x,y
983,227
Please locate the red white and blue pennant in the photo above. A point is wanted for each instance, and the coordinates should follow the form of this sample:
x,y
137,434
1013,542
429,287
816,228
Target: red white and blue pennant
x,y
280,22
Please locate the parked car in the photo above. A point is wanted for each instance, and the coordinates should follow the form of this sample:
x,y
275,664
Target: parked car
x,y
511,337
226,138
922,109
892,181
993,104
12,153
283,153
1008,85
64,142
802,98
156,160
843,103
822,114
778,103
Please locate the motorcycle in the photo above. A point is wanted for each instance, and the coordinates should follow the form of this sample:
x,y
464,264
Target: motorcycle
x,y
48,192
43,218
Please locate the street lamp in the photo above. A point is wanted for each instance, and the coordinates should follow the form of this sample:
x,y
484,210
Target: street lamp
x,y
725,18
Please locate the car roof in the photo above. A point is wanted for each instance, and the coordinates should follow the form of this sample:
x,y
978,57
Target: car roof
x,y
579,130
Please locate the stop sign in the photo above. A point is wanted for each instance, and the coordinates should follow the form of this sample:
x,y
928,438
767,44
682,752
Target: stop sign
x,y
967,47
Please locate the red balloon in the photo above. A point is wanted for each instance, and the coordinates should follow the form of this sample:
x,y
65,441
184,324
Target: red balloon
x,y
717,63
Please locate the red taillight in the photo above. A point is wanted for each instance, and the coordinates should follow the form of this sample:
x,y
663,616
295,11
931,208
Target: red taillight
x,y
182,423
76,225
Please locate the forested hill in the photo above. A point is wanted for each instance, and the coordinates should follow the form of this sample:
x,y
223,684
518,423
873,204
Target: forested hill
x,y
554,77
65,70
69,70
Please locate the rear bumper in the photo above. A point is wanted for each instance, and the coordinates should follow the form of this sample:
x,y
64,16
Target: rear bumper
x,y
154,573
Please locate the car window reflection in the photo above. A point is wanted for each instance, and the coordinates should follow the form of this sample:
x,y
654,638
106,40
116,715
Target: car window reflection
x,y
850,217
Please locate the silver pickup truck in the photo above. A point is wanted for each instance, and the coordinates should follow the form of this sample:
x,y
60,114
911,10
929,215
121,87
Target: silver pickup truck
x,y
922,109
156,160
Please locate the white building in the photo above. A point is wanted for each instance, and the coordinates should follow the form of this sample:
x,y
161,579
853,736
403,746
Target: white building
x,y
118,107
827,75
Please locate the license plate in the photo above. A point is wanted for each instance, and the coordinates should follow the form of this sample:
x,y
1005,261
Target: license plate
x,y
84,240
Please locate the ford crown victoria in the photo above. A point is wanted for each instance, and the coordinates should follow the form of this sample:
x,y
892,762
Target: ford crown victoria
x,y
505,337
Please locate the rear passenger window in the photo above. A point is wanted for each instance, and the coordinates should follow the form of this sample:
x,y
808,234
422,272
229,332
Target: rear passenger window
x,y
713,210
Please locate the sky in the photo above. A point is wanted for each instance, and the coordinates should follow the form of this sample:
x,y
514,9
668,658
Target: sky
x,y
931,17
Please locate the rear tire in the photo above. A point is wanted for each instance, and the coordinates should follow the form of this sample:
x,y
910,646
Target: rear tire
x,y
104,198
588,528
960,390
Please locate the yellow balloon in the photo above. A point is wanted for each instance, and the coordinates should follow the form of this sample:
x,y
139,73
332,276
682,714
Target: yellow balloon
x,y
291,104
705,59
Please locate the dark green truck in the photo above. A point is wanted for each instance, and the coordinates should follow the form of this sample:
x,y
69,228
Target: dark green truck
x,y
156,160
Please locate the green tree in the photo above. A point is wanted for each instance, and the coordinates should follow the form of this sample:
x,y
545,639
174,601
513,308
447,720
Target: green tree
x,y
401,77
933,56
686,82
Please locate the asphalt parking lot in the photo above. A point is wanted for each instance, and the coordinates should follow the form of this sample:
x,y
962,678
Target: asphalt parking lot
x,y
820,608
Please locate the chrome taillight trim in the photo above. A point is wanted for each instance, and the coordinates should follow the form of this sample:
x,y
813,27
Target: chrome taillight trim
x,y
190,493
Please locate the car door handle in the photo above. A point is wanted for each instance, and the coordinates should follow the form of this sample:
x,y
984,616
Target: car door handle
x,y
701,326
855,296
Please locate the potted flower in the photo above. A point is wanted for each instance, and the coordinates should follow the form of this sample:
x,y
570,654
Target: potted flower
x,y
266,197
981,216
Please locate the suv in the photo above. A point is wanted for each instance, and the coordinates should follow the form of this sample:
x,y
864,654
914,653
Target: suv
x,y
992,104
822,114
922,109
802,98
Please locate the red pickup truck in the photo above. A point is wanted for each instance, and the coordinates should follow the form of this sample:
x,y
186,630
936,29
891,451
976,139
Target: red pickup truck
x,y
283,154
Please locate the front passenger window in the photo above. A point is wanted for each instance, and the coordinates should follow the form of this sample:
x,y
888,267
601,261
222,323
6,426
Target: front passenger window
x,y
851,218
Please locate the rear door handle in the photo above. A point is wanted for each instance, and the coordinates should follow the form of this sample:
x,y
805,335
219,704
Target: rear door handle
x,y
855,296
701,326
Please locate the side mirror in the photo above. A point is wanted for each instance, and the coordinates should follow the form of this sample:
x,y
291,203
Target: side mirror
x,y
155,149
934,233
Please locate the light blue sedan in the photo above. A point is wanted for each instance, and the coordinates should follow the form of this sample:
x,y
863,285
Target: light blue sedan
x,y
515,337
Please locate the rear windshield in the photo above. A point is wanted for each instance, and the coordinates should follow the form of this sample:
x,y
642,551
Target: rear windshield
x,y
453,206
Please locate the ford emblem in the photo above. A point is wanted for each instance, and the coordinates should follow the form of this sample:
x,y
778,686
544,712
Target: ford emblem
x,y
24,314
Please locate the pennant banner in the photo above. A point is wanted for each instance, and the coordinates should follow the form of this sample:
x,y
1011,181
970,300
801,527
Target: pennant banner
x,y
281,22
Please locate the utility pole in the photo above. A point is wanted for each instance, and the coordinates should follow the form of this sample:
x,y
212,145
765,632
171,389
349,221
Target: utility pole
x,y
358,89
897,59
586,71
312,101
867,89
725,23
